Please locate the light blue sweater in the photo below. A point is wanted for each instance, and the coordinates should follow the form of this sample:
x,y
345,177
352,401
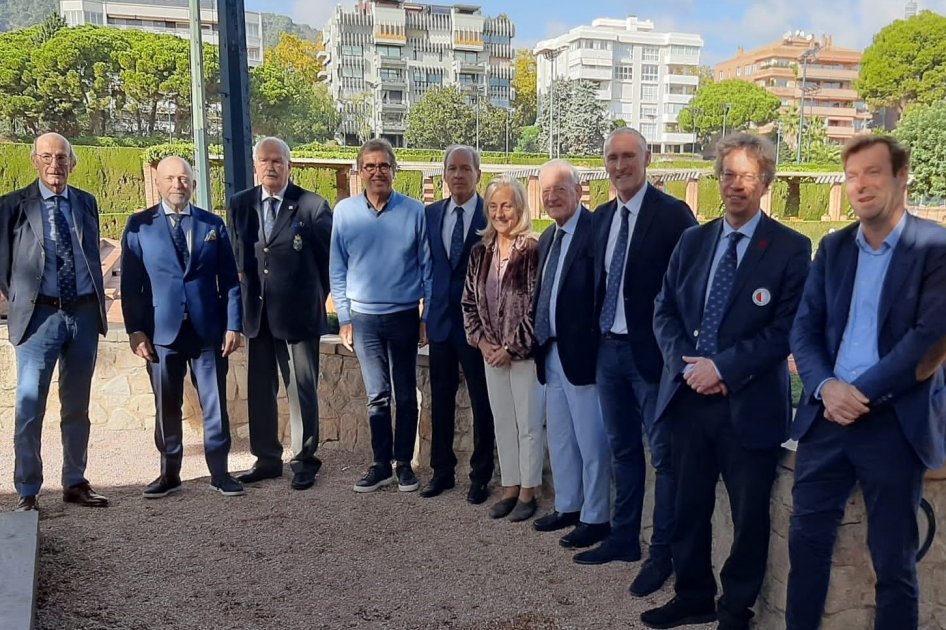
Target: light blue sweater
x,y
380,262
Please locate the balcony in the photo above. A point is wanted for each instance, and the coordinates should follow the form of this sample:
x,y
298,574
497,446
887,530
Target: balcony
x,y
594,73
393,83
389,35
394,106
389,125
467,44
676,138
392,62
467,67
677,98
682,79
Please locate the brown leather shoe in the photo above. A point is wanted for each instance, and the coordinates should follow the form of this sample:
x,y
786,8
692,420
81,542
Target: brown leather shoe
x,y
84,495
26,504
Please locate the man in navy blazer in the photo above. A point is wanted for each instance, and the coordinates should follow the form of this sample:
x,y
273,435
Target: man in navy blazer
x,y
453,227
637,233
869,345
57,311
722,321
181,304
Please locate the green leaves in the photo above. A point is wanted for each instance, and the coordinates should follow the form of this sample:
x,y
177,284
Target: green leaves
x,y
580,120
748,103
443,117
923,129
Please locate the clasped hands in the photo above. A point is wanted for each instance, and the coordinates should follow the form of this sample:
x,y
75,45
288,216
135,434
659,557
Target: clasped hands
x,y
703,378
495,356
843,403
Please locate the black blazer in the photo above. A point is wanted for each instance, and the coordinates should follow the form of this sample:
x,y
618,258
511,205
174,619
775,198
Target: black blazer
x,y
660,222
576,322
288,275
754,332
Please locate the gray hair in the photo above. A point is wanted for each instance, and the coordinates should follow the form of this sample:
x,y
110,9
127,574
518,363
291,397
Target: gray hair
x,y
377,144
625,131
279,142
761,149
72,153
453,148
170,158
565,164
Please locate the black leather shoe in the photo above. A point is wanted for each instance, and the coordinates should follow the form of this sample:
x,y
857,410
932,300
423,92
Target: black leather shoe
x,y
227,486
303,480
503,507
610,551
83,494
651,577
676,613
585,535
478,493
256,473
523,511
162,487
556,521
438,485
27,504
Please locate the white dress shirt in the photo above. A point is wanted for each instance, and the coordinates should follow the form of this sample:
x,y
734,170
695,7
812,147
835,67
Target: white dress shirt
x,y
634,207
569,229
450,220
188,229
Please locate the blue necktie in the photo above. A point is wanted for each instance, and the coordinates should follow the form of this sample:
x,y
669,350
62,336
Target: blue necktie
x,y
543,319
615,271
723,280
456,240
65,258
269,218
180,241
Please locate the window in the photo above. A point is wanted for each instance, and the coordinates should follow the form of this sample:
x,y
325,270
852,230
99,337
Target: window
x,y
739,72
466,56
648,111
748,69
720,75
685,51
626,51
649,93
649,131
624,73
393,97
595,44
467,78
435,79
352,72
252,29
92,17
353,51
388,51
391,74
650,53
498,82
673,108
649,72
497,39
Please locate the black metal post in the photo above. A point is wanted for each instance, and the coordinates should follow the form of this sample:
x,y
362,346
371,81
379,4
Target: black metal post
x,y
235,98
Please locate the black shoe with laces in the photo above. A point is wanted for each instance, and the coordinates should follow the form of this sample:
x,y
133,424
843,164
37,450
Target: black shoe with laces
x,y
162,487
378,475
679,613
406,479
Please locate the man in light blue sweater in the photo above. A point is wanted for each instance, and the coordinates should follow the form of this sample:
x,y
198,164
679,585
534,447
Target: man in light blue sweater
x,y
380,269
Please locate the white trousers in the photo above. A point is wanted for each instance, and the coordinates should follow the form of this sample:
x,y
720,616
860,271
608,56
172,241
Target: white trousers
x,y
514,397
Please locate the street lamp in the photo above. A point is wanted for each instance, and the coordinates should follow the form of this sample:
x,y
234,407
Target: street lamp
x,y
550,54
694,114
778,142
808,54
726,107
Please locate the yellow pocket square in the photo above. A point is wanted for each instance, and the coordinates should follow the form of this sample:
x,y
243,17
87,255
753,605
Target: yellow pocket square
x,y
211,237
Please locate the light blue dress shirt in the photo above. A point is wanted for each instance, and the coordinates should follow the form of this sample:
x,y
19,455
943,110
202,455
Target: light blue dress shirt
x,y
747,230
569,229
49,285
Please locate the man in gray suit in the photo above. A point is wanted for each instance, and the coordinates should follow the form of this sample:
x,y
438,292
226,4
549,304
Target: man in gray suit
x,y
51,273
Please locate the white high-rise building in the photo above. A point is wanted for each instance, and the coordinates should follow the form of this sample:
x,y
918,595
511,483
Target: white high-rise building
x,y
644,77
162,16
382,56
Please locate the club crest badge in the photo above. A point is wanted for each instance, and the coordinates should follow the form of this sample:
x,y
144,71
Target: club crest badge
x,y
761,297
297,243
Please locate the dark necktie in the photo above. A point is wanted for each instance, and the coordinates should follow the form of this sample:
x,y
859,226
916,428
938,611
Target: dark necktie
x,y
615,271
65,258
543,319
723,279
269,221
456,240
180,241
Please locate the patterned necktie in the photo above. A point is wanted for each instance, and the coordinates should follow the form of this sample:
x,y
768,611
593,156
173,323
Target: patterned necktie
x,y
543,318
269,218
456,240
180,241
723,279
65,258
615,271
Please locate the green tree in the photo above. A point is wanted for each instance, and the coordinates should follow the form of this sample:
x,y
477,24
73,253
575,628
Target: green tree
x,y
529,140
297,55
48,28
20,107
923,129
748,103
155,74
705,73
580,119
274,25
441,118
525,101
906,63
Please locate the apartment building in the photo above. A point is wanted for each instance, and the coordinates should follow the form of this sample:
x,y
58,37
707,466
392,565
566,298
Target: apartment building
x,y
826,79
643,76
162,16
382,56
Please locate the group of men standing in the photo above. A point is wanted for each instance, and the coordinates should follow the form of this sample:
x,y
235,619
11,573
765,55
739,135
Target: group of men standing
x,y
648,327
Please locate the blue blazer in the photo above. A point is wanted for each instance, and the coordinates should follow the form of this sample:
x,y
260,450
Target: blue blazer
x,y
22,256
445,315
660,222
156,292
753,334
910,337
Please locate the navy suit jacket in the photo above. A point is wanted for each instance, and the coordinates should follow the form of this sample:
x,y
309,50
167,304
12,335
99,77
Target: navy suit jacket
x,y
910,333
753,338
22,256
660,222
576,322
156,292
444,314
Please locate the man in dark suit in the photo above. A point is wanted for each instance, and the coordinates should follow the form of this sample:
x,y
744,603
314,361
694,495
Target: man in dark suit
x,y
722,322
181,305
453,227
281,238
567,333
868,341
57,310
637,233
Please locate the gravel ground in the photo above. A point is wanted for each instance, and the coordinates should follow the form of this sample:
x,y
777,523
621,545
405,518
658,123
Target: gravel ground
x,y
324,558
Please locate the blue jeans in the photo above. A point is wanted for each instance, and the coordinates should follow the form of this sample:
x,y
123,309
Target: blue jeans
x,y
628,406
71,340
386,346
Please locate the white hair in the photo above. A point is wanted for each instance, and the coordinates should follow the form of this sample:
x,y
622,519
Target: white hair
x,y
563,164
279,142
61,138
170,158
625,131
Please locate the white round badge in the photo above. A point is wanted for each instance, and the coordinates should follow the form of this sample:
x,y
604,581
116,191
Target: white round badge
x,y
761,297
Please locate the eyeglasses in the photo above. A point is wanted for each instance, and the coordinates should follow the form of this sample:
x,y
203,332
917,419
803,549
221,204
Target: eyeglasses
x,y
749,178
371,169
48,158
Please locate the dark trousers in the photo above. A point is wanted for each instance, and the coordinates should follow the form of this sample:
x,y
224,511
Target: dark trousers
x,y
830,459
386,346
209,374
298,364
703,446
628,404
446,359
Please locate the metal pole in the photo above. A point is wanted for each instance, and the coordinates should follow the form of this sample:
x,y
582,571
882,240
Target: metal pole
x,y
778,142
198,113
477,118
801,109
507,136
235,99
726,107
552,108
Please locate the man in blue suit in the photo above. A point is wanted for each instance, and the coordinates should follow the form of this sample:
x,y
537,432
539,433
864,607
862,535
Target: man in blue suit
x,y
722,321
869,344
637,233
181,304
57,311
453,227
